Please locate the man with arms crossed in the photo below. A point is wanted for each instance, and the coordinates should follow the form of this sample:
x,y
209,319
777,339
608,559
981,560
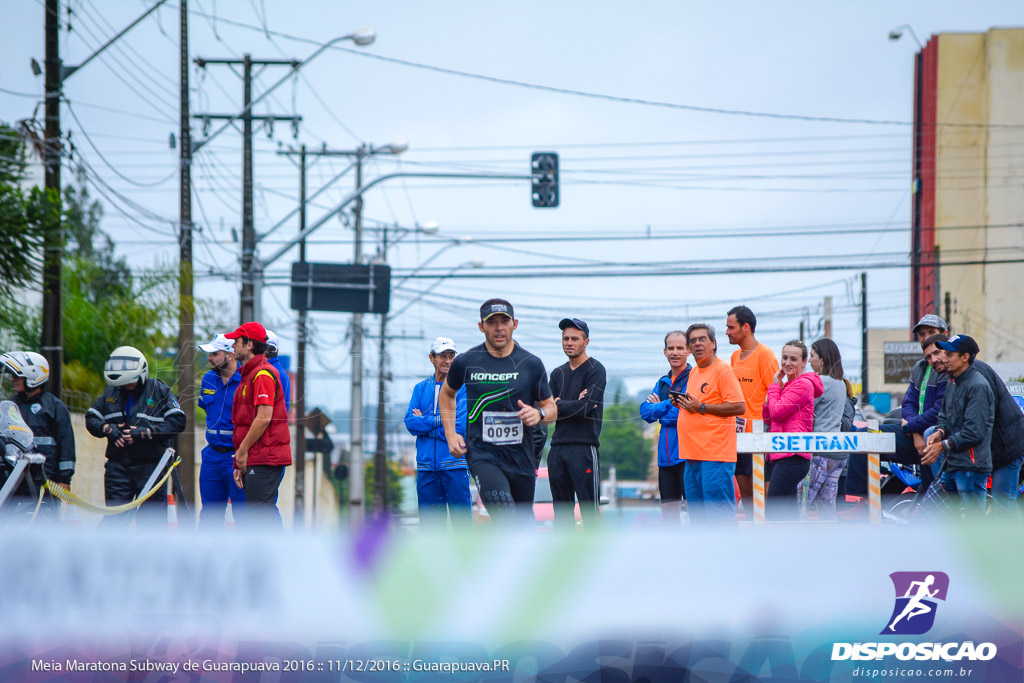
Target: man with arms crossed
x,y
754,365
442,480
707,429
658,408
578,389
503,381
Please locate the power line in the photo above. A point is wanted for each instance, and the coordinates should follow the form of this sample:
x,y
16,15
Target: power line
x,y
122,176
606,97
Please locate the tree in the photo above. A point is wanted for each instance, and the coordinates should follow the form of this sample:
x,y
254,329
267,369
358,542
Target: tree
x,y
623,443
394,487
24,219
104,305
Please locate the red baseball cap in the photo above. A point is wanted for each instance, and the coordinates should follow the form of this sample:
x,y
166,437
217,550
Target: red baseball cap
x,y
253,331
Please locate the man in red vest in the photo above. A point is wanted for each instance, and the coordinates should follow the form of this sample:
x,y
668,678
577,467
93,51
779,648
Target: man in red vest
x,y
262,438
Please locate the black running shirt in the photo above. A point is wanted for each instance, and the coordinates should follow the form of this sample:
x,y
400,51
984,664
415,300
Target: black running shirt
x,y
494,387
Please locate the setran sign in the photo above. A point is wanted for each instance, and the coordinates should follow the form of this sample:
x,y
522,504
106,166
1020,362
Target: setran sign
x,y
816,442
342,288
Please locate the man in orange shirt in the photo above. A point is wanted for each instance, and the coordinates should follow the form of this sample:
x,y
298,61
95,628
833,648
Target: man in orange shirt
x,y
754,365
707,429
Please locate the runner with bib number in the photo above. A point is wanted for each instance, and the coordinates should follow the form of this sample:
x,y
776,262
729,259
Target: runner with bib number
x,y
506,392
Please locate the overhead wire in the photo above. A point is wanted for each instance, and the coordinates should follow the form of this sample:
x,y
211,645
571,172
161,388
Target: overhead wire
x,y
607,97
122,176
122,74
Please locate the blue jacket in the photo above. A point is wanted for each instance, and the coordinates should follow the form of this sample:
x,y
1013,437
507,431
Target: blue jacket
x,y
431,444
216,399
934,391
286,384
667,414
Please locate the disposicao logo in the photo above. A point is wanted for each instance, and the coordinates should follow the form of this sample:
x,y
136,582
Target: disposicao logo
x,y
917,594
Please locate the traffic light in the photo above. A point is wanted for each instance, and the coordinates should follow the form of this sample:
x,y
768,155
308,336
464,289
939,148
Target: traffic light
x,y
544,169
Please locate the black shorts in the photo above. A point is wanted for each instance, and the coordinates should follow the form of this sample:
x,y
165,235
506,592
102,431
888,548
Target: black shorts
x,y
744,464
507,497
670,482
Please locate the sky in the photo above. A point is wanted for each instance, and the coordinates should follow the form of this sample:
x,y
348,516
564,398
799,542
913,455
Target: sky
x,y
648,182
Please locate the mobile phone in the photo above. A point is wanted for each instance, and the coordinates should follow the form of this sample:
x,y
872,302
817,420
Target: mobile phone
x,y
676,393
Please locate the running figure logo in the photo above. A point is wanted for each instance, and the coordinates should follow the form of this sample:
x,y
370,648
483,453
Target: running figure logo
x,y
916,593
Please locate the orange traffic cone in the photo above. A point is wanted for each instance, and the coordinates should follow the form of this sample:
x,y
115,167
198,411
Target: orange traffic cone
x,y
172,512
229,517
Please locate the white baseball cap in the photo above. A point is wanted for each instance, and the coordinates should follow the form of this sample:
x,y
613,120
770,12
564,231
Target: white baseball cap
x,y
442,344
219,343
272,341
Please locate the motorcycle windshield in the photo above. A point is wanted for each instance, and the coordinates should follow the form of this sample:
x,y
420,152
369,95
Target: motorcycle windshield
x,y
13,429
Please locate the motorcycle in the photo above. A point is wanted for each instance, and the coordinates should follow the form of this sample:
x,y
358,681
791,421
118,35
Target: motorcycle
x,y
21,468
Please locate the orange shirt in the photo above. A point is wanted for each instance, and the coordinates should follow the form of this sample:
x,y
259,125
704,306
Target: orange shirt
x,y
754,373
708,437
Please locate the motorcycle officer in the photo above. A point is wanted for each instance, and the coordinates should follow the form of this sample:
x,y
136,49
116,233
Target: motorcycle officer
x,y
44,414
139,417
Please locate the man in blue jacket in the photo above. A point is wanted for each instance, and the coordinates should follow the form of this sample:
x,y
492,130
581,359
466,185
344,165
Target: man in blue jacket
x,y
442,480
658,408
216,396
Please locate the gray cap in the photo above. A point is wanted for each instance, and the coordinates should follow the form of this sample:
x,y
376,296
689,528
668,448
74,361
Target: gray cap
x,y
931,320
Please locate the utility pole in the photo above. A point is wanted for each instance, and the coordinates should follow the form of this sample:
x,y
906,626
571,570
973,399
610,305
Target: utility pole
x,y
380,456
52,343
356,456
864,336
186,305
247,309
300,371
356,504
828,317
248,303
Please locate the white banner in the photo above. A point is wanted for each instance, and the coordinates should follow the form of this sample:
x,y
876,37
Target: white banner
x,y
816,442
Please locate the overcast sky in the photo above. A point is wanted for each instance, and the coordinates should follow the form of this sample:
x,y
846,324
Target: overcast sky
x,y
642,184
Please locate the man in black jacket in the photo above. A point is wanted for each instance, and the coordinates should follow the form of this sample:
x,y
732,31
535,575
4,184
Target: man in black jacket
x,y
963,431
578,389
44,413
1007,435
139,417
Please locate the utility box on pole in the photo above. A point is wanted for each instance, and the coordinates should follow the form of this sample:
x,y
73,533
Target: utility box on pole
x,y
341,288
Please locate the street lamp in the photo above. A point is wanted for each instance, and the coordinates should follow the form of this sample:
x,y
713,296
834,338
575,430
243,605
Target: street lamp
x,y
364,36
897,33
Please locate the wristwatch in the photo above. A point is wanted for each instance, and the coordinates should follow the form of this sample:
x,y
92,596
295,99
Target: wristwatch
x,y
542,413
703,408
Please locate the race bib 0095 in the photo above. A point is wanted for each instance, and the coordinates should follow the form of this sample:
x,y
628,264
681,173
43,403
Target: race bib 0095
x,y
502,428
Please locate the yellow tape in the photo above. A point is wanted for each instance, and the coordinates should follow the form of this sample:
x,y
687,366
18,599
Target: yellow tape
x,y
71,499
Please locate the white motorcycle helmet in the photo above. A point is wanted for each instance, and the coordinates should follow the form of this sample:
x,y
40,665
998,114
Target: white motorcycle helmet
x,y
125,365
29,365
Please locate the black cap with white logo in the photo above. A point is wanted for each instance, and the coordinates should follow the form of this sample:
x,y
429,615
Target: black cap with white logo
x,y
496,307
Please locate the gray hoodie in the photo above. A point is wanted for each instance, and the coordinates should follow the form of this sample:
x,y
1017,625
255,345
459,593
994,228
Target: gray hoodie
x,y
828,408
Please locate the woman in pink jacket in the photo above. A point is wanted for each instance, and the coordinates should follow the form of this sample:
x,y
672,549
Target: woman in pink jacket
x,y
789,407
